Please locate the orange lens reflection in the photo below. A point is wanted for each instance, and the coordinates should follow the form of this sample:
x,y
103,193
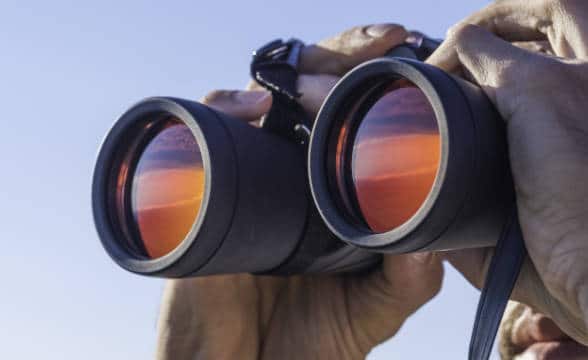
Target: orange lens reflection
x,y
395,157
167,188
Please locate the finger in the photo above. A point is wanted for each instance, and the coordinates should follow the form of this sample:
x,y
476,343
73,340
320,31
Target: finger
x,y
314,90
407,281
245,105
387,296
420,274
254,85
453,66
566,27
506,348
513,20
342,52
510,19
531,327
541,47
529,289
494,64
568,350
471,263
563,23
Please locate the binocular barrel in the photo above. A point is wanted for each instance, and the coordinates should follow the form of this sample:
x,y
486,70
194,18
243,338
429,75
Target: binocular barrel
x,y
181,190
405,157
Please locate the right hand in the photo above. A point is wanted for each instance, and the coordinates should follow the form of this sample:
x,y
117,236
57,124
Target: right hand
x,y
544,101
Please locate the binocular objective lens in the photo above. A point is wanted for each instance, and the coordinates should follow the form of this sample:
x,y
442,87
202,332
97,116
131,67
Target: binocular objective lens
x,y
395,156
167,188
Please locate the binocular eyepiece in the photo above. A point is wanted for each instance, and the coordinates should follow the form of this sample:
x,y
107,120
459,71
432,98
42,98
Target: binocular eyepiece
x,y
403,157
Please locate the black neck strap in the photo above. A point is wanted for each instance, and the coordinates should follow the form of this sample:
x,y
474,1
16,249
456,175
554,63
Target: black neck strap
x,y
501,277
509,253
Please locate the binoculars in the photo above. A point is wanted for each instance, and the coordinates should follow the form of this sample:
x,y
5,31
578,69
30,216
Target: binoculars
x,y
402,157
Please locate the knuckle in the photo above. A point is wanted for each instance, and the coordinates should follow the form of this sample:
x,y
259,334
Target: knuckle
x,y
344,38
463,33
357,30
454,30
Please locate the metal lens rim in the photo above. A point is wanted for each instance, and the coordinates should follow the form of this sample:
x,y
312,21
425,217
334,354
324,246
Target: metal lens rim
x,y
121,209
339,164
120,243
353,119
375,90
346,92
119,202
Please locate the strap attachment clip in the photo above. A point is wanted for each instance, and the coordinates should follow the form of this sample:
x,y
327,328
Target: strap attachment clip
x,y
275,67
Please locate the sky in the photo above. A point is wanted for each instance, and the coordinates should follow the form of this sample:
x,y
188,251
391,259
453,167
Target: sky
x,y
67,70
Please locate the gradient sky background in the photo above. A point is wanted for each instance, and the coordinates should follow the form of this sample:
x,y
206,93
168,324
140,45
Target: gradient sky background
x,y
67,70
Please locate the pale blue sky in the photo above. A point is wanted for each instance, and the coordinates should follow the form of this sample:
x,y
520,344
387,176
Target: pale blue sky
x,y
67,70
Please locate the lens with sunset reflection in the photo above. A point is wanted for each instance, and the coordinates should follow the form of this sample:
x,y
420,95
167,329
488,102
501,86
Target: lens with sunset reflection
x,y
167,188
395,158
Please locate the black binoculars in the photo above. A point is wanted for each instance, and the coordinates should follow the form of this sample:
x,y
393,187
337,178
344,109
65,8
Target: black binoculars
x,y
403,157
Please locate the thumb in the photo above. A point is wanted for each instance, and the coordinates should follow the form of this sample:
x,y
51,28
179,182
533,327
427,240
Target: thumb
x,y
246,105
382,300
471,263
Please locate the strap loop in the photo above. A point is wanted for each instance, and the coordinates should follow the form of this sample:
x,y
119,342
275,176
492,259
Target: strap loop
x,y
275,67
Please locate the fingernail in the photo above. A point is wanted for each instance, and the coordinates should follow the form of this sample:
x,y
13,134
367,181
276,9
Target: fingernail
x,y
251,97
380,30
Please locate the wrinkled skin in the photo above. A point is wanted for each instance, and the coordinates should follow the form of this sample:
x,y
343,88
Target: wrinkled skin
x,y
544,101
299,317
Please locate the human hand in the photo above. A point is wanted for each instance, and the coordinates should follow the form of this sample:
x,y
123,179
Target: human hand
x,y
299,317
527,334
544,100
